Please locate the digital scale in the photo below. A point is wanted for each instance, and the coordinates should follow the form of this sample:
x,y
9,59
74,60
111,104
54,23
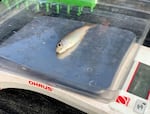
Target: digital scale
x,y
107,74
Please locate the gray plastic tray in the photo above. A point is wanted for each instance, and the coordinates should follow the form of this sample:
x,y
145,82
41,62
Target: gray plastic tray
x,y
91,67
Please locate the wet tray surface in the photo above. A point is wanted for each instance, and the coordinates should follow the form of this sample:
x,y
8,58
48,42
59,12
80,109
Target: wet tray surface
x,y
91,67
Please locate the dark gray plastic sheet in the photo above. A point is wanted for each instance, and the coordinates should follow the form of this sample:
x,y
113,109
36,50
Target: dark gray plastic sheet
x,y
91,67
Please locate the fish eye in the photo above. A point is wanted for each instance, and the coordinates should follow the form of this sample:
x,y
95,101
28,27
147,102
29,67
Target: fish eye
x,y
59,44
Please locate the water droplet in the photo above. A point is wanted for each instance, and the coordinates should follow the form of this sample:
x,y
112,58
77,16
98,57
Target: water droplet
x,y
43,43
92,83
89,69
23,68
14,32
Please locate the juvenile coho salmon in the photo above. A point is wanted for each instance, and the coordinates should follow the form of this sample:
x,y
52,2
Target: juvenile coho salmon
x,y
72,39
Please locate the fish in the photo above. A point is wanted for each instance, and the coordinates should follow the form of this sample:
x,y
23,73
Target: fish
x,y
73,38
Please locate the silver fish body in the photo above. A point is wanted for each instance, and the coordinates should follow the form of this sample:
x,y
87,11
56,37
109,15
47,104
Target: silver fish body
x,y
72,39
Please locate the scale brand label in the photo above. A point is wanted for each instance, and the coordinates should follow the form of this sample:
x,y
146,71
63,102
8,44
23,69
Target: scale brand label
x,y
123,100
40,85
140,106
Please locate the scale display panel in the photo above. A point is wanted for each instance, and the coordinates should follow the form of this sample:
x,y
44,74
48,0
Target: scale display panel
x,y
140,84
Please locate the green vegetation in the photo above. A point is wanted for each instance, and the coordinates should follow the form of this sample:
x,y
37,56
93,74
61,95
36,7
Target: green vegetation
x,y
69,3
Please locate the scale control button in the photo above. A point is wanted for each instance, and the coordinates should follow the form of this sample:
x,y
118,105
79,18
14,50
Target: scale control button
x,y
140,106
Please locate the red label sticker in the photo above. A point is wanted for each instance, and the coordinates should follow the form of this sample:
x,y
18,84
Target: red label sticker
x,y
148,96
123,100
40,85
